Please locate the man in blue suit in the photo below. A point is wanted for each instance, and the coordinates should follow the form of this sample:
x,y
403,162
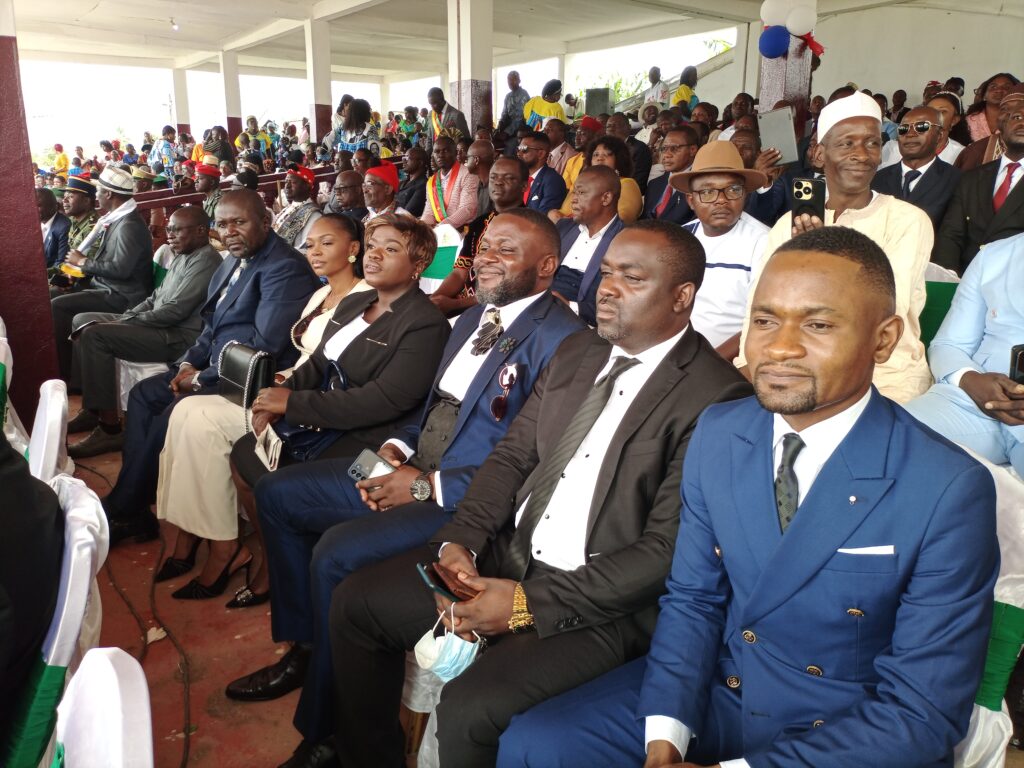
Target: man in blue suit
x,y
546,188
585,239
55,227
973,401
838,619
254,297
495,354
662,201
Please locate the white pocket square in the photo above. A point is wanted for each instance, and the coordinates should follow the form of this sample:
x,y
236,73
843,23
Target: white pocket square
x,y
883,549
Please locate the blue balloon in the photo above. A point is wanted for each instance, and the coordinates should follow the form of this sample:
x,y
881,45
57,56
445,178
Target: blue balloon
x,y
774,42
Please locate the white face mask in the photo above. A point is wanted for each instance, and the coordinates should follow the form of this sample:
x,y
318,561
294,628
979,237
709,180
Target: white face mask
x,y
447,656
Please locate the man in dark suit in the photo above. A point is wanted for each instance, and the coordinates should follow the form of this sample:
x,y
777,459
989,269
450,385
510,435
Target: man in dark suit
x,y
989,201
814,622
254,297
546,188
572,518
618,126
31,549
495,354
585,239
55,227
662,201
121,266
923,178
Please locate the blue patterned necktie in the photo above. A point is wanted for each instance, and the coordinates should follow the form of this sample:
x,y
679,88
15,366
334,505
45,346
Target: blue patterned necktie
x,y
787,490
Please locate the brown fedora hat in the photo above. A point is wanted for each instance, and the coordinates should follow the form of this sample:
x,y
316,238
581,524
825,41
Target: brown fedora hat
x,y
718,157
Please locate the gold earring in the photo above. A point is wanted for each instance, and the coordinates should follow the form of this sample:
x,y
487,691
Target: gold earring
x,y
351,258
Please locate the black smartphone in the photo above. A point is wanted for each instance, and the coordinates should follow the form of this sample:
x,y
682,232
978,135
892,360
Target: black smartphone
x,y
433,582
1017,363
369,464
808,196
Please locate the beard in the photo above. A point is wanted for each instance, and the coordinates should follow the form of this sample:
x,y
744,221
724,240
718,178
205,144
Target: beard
x,y
787,401
509,290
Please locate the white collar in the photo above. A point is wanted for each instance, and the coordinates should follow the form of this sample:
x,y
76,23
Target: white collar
x,y
1005,161
510,312
825,436
923,169
585,230
651,356
49,222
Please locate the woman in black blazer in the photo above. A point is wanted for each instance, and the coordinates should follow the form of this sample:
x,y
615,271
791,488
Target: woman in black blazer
x,y
370,374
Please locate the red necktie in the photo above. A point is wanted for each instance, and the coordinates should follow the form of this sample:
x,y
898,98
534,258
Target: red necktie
x,y
526,194
663,203
1004,189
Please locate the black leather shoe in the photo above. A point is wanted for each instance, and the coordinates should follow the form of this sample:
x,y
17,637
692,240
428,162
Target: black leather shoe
x,y
96,444
274,681
312,755
85,421
246,598
140,528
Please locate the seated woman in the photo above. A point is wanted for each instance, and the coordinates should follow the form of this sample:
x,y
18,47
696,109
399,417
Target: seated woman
x,y
613,152
387,342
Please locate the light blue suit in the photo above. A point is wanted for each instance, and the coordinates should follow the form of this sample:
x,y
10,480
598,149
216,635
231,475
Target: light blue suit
x,y
984,322
786,650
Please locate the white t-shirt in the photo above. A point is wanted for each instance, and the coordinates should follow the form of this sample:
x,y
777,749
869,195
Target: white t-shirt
x,y
721,302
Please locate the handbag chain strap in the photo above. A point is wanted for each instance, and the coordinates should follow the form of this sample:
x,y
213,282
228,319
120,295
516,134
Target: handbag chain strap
x,y
248,383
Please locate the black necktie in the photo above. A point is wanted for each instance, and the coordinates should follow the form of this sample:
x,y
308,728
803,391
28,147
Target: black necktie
x,y
908,178
518,555
787,490
488,334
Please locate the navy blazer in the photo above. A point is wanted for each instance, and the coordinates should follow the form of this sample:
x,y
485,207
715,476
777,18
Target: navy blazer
x,y
569,231
55,246
528,344
677,211
547,190
258,310
932,192
763,637
769,207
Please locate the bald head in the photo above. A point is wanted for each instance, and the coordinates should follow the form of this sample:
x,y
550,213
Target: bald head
x,y
243,222
603,179
480,156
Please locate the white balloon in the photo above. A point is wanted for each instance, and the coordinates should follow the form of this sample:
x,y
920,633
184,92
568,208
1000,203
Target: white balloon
x,y
774,12
801,20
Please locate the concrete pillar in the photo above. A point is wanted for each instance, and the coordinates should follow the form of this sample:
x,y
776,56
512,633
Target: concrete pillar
x,y
561,71
470,58
385,99
318,76
232,92
24,296
181,101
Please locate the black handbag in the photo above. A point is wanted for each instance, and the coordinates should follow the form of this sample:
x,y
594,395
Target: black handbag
x,y
307,443
244,371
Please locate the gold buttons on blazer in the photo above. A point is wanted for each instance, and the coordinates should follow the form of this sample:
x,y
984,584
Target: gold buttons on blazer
x,y
732,681
817,723
855,612
749,636
816,671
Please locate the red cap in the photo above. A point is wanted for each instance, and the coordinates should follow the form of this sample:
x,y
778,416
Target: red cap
x,y
208,170
386,172
58,147
591,124
303,173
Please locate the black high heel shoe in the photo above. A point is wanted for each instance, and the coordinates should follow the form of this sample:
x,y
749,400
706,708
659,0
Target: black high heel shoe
x,y
196,591
244,596
174,567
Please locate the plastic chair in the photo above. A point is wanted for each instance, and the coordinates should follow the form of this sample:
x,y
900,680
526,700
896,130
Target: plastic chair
x,y
104,719
130,374
86,542
47,448
13,429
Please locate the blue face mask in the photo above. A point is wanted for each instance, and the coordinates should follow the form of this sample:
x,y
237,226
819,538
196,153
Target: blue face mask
x,y
447,656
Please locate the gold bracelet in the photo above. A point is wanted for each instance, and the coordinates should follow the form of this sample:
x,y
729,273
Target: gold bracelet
x,y
521,619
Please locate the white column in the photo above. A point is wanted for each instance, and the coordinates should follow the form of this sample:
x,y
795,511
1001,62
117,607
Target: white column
x,y
232,92
318,75
471,57
181,116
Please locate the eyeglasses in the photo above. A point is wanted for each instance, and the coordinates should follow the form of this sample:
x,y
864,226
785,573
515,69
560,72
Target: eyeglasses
x,y
506,380
710,194
674,147
526,148
921,126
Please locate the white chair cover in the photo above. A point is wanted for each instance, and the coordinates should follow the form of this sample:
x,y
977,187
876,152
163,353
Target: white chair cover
x,y
104,719
14,430
130,374
933,273
47,449
986,740
421,693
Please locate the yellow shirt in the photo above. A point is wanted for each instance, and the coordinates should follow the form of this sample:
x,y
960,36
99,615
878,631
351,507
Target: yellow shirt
x,y
573,166
905,234
537,110
60,165
631,202
684,95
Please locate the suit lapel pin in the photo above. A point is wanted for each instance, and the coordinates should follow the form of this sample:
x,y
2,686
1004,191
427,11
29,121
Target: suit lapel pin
x,y
507,344
853,500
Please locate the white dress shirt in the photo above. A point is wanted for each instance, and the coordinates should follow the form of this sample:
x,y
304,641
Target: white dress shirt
x,y
820,442
905,169
463,369
46,226
582,251
560,538
1004,161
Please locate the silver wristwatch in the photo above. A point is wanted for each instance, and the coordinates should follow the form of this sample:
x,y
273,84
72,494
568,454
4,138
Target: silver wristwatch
x,y
421,489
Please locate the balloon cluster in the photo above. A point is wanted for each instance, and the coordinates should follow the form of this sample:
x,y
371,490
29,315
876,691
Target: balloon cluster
x,y
783,18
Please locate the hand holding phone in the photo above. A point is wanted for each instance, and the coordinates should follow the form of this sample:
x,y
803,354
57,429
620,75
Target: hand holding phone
x,y
369,465
444,582
807,199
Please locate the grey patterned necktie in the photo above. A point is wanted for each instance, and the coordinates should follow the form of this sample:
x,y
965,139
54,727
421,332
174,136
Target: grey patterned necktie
x,y
518,556
489,332
787,490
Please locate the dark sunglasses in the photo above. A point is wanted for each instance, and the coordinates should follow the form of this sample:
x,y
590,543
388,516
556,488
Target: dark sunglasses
x,y
921,126
506,380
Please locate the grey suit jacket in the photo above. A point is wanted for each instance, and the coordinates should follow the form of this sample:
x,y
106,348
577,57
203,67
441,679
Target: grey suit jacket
x,y
176,303
633,515
123,263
